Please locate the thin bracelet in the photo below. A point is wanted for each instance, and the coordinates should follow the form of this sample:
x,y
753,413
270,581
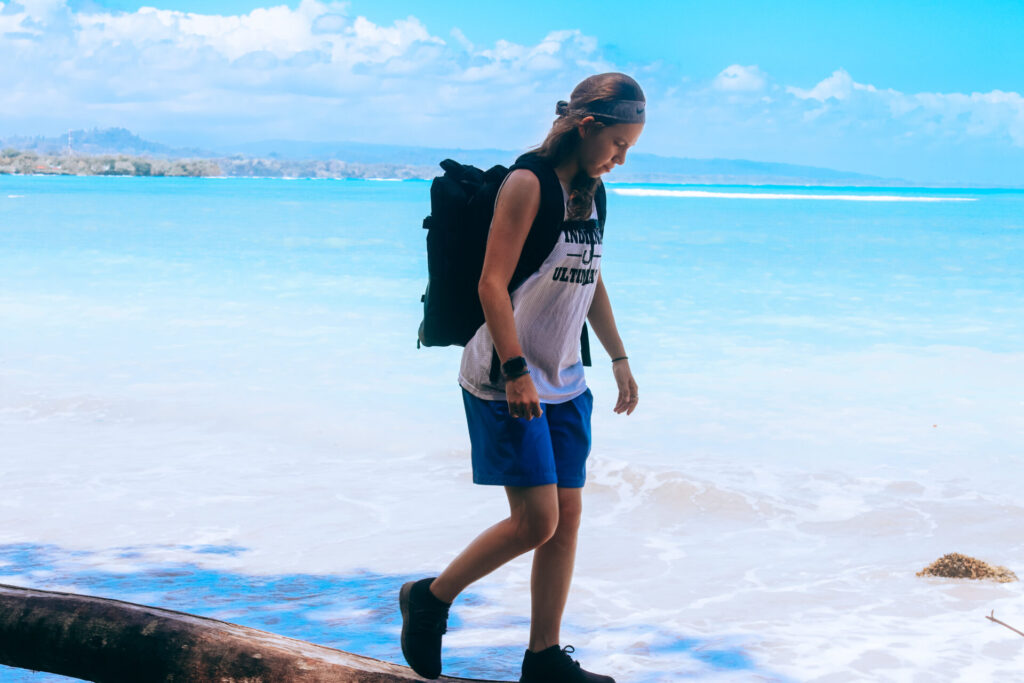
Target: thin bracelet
x,y
616,360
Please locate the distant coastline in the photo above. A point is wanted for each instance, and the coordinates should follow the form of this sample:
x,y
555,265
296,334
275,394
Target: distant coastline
x,y
119,152
15,162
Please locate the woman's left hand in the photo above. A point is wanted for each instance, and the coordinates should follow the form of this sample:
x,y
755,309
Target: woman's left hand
x,y
628,393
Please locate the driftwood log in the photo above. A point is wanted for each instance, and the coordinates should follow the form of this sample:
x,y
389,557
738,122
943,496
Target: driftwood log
x,y
111,641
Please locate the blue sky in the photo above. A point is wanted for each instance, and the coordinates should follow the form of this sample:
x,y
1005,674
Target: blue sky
x,y
922,90
933,45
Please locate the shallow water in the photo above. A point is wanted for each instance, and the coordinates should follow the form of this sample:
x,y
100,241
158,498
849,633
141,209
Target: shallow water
x,y
211,400
355,612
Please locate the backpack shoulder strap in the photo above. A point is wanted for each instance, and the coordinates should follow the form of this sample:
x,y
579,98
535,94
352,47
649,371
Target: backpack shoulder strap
x,y
552,201
601,200
544,232
547,225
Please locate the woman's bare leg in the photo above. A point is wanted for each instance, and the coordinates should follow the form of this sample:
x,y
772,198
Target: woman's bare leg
x,y
533,518
552,572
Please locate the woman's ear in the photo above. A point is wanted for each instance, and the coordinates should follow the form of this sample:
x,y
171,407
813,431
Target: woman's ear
x,y
585,125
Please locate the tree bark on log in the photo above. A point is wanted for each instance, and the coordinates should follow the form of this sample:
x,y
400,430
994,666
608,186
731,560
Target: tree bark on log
x,y
111,641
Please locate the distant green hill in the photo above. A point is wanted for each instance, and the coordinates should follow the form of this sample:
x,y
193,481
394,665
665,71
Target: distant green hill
x,y
641,167
100,141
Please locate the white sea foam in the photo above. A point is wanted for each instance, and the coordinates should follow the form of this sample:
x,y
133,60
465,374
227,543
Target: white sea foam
x,y
808,572
704,194
749,508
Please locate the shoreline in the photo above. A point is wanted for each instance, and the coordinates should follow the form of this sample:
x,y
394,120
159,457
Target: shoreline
x,y
611,183
17,163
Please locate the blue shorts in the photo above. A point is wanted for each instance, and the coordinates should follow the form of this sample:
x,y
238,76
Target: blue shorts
x,y
514,451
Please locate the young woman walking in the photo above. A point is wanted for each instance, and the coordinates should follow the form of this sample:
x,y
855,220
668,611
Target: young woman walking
x,y
529,424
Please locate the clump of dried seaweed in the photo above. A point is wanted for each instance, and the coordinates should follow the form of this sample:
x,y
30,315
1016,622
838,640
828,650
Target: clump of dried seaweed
x,y
957,566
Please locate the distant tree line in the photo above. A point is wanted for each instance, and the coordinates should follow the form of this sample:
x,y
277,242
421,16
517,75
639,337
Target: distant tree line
x,y
32,163
15,161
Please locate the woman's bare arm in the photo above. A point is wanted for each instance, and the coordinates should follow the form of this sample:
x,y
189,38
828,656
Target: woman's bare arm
x,y
514,212
603,323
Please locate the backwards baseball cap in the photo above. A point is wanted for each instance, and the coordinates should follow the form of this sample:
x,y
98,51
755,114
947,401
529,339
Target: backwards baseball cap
x,y
620,111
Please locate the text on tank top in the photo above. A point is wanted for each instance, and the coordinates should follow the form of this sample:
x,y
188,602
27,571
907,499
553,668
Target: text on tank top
x,y
549,308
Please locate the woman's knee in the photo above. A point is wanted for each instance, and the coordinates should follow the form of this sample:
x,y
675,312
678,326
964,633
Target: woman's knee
x,y
536,524
570,511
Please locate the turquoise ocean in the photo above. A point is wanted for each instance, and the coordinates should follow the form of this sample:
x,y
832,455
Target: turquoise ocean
x,y
211,400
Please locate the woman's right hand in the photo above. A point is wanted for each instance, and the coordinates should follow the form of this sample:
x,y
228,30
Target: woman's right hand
x,y
522,398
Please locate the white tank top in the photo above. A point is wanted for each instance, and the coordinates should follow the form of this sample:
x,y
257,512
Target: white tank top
x,y
549,308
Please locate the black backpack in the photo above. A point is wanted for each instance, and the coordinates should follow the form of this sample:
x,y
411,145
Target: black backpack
x,y
461,208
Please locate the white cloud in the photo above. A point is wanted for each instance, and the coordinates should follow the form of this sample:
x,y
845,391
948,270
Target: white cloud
x,y
840,122
461,39
309,71
738,78
39,10
838,86
317,72
942,115
278,30
978,114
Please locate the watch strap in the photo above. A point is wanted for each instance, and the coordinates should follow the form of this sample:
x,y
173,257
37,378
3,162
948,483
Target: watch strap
x,y
514,367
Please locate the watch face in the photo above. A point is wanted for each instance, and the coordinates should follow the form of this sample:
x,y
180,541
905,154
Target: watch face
x,y
514,366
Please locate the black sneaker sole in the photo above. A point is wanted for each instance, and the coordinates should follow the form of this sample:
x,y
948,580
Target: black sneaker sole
x,y
403,604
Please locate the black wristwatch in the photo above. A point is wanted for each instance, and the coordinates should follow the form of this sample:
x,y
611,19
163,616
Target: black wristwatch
x,y
514,367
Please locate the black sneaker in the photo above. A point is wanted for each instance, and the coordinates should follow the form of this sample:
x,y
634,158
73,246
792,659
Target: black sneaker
x,y
554,665
424,621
